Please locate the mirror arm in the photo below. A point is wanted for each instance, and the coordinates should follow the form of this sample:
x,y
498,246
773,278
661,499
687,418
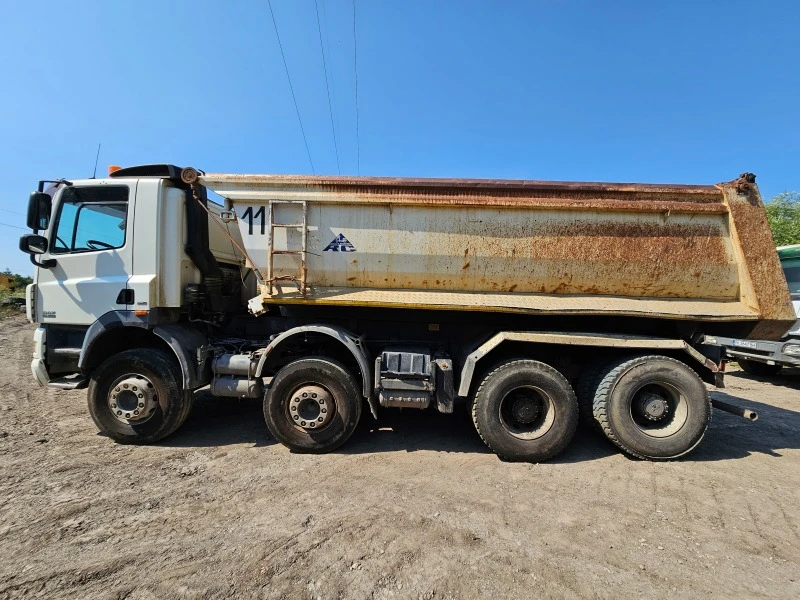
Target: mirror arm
x,y
47,263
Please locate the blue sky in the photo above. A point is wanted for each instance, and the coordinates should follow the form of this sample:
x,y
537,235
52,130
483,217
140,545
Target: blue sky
x,y
675,92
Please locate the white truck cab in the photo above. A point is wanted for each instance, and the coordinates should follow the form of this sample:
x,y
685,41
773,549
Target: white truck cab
x,y
121,248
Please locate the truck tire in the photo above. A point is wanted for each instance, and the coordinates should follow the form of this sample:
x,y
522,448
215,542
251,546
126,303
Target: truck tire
x,y
588,380
312,405
525,410
753,367
137,396
652,407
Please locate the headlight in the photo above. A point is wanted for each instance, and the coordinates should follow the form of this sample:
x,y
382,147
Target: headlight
x,y
792,349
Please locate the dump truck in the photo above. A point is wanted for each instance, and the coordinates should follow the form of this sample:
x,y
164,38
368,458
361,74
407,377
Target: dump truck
x,y
764,357
530,303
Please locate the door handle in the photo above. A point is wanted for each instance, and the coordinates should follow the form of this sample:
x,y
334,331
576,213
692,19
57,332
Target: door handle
x,y
125,296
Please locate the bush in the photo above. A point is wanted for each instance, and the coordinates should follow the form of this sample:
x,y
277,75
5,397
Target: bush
x,y
783,213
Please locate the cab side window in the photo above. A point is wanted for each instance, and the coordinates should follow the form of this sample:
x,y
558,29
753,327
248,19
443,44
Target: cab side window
x,y
90,219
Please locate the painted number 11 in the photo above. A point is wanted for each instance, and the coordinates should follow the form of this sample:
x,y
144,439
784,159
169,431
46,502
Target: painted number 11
x,y
250,216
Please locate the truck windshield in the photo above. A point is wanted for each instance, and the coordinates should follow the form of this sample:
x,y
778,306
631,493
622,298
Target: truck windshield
x,y
792,272
91,219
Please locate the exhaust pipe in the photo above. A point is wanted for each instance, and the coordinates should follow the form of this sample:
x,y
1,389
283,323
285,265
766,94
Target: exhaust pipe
x,y
748,414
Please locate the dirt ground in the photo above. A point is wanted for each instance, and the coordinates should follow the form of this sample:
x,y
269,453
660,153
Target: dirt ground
x,y
412,507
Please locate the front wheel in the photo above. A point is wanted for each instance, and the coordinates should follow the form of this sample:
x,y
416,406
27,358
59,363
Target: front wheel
x,y
137,396
525,410
312,405
753,367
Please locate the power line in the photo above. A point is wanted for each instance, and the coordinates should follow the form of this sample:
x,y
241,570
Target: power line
x,y
14,226
330,107
355,68
328,43
291,88
12,211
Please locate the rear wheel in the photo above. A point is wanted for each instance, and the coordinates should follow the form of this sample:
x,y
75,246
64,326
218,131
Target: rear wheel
x,y
588,380
137,396
753,367
653,407
312,405
525,410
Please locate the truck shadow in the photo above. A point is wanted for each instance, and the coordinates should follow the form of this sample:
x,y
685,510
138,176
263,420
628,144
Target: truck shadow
x,y
221,422
730,437
788,377
216,422
412,430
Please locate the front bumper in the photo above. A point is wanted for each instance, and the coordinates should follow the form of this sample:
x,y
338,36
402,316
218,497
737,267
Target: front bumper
x,y
38,364
770,353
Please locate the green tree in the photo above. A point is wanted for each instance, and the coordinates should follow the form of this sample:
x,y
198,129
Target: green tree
x,y
22,281
783,213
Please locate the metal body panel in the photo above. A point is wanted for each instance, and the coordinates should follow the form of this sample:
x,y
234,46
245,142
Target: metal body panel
x,y
82,286
350,341
678,308
38,364
575,339
683,252
162,269
185,341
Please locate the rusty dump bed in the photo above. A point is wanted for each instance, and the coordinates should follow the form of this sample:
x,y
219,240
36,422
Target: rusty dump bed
x,y
691,252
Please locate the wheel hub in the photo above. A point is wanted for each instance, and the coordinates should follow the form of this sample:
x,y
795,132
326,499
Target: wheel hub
x,y
525,410
311,407
132,399
653,407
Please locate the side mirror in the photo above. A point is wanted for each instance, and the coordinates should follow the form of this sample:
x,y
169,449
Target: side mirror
x,y
36,244
33,244
39,206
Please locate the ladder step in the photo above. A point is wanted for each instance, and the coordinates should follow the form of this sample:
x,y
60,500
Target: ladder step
x,y
272,252
76,381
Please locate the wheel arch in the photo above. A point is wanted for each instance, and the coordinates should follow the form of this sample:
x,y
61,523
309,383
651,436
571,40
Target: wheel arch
x,y
118,331
676,348
351,342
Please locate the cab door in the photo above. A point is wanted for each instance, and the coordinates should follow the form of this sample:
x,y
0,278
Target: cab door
x,y
90,239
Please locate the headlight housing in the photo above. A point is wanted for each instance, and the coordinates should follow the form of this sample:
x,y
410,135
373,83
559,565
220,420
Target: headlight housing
x,y
791,349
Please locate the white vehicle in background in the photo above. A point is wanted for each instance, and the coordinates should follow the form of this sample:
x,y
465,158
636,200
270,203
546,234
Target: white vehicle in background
x,y
762,357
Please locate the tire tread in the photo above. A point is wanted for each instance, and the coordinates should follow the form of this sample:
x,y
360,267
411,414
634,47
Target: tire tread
x,y
509,364
157,360
600,403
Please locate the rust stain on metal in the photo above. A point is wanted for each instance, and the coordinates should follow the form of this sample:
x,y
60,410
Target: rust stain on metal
x,y
761,260
611,242
649,258
622,202
744,184
493,185
492,192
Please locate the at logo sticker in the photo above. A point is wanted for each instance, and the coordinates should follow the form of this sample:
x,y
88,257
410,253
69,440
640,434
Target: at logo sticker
x,y
340,244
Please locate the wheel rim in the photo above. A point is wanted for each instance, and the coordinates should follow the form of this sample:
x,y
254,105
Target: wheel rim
x,y
132,399
311,407
659,409
527,412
